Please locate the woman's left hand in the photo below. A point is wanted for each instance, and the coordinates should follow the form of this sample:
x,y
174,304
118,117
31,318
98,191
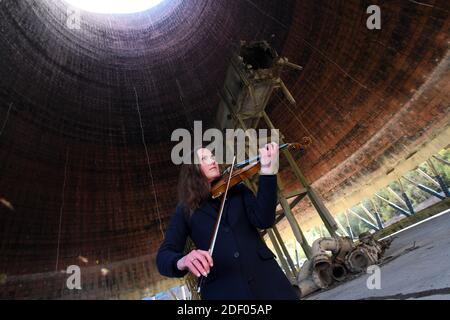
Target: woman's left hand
x,y
269,159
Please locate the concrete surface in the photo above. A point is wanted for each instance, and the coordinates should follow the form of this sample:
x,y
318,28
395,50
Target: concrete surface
x,y
417,266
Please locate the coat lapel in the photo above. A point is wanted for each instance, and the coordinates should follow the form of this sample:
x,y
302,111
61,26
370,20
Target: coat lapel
x,y
207,208
211,211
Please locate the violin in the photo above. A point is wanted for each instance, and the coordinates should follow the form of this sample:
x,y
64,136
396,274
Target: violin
x,y
248,169
237,173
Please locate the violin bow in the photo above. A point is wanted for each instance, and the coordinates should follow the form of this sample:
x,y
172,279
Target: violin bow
x,y
219,218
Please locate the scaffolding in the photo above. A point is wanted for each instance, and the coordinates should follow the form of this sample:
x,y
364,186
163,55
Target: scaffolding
x,y
252,77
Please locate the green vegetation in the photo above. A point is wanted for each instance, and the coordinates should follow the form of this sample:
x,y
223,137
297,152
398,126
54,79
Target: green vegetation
x,y
423,174
392,219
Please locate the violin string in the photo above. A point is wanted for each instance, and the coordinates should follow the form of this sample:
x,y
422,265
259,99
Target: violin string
x,y
248,161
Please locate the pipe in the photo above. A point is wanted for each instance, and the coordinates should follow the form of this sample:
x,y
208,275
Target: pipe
x,y
286,92
367,253
305,281
338,272
310,280
345,246
322,278
321,260
321,271
285,62
307,287
357,260
323,263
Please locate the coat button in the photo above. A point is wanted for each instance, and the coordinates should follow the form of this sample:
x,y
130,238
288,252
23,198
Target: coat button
x,y
236,254
226,229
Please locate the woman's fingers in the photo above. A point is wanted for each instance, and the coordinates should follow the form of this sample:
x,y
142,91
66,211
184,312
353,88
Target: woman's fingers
x,y
199,262
264,152
269,149
193,268
204,262
269,159
275,149
207,256
198,265
274,146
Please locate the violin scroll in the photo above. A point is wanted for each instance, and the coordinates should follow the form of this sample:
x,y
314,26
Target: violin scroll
x,y
306,142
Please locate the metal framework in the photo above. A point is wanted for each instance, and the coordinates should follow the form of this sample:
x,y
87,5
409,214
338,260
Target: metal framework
x,y
253,75
376,222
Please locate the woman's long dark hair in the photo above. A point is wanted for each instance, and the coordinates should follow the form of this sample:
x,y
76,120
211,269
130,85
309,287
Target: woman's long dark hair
x,y
193,186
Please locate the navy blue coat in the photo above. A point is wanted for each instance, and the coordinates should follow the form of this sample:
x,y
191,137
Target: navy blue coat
x,y
244,267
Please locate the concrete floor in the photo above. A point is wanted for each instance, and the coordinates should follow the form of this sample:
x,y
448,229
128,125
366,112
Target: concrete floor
x,y
417,266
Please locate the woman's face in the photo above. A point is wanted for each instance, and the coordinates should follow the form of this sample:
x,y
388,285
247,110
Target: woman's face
x,y
208,164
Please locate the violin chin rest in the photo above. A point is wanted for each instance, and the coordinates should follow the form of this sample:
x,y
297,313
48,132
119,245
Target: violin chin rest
x,y
217,195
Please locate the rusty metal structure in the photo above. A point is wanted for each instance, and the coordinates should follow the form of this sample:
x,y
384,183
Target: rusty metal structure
x,y
255,73
335,258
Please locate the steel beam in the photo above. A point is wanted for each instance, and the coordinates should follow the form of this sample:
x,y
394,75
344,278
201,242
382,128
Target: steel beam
x,y
438,177
377,214
442,160
367,222
285,250
282,259
393,205
323,212
425,188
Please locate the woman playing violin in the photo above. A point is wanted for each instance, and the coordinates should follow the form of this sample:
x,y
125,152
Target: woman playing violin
x,y
241,266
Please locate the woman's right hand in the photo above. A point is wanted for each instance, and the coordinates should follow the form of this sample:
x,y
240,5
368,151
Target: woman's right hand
x,y
198,262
